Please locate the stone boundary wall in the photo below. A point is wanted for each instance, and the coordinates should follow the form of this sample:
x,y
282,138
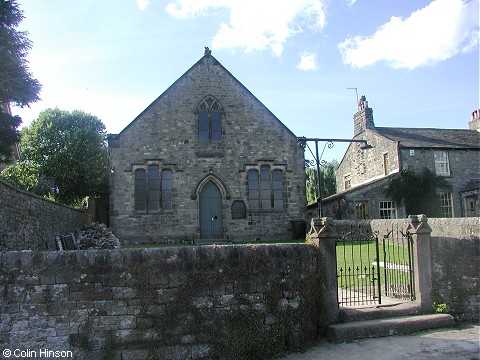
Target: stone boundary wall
x,y
455,256
237,302
447,227
455,275
455,227
30,222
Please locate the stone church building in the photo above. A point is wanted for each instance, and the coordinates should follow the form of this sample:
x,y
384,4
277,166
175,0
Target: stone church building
x,y
206,161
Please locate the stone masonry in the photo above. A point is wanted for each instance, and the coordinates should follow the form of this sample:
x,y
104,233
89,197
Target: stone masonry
x,y
168,303
364,174
30,222
166,134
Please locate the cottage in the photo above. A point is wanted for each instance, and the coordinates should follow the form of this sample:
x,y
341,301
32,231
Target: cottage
x,y
206,161
363,175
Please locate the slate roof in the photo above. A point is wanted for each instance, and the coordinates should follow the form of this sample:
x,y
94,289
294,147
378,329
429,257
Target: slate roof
x,y
472,184
432,138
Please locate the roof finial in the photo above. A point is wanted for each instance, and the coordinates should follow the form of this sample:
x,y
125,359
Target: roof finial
x,y
208,52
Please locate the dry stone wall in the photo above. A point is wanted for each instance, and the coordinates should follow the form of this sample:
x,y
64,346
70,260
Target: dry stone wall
x,y
455,280
234,302
30,222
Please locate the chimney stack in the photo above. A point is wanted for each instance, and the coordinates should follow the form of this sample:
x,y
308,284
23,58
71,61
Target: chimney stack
x,y
363,119
474,124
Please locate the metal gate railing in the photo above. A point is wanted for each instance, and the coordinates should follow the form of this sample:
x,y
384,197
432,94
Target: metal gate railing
x,y
398,279
368,269
358,268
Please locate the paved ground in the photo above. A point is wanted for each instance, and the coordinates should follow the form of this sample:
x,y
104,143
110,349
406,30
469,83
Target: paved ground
x,y
441,344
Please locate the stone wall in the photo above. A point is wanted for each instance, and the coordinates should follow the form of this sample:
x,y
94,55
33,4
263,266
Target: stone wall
x,y
30,222
455,275
364,165
166,134
342,206
239,302
463,169
455,258
455,227
441,227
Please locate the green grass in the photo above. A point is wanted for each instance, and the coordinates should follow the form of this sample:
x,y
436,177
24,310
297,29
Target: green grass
x,y
150,246
146,246
351,256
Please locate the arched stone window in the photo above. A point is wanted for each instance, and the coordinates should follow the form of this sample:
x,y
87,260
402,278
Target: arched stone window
x,y
209,120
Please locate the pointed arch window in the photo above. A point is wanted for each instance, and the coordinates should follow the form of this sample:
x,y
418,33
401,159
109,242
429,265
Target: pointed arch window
x,y
209,120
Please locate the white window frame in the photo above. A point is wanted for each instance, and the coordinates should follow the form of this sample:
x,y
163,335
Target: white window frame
x,y
442,166
446,204
388,207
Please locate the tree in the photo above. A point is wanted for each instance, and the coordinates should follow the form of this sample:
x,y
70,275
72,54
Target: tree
x,y
26,176
70,147
328,181
17,86
418,193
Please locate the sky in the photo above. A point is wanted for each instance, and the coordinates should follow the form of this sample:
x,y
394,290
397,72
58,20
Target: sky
x,y
416,61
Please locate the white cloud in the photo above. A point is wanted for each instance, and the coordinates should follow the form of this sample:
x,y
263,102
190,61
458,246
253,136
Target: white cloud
x,y
351,2
437,32
142,4
255,25
308,61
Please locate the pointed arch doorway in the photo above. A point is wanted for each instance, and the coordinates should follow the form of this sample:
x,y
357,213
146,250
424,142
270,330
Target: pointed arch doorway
x,y
211,221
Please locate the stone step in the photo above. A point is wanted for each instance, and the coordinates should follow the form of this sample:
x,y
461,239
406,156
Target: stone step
x,y
391,309
387,327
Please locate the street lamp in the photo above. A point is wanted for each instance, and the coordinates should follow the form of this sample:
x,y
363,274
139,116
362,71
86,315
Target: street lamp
x,y
317,160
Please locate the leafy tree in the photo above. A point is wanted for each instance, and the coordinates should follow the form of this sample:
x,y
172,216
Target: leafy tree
x,y
26,176
328,181
70,147
418,192
9,135
17,86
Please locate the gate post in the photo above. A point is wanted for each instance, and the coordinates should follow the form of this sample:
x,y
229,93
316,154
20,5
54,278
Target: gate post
x,y
323,236
420,230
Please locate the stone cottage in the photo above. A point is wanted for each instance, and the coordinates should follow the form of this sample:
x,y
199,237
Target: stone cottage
x,y
363,174
206,161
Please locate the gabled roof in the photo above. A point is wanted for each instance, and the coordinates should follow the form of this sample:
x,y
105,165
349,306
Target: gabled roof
x,y
199,62
432,138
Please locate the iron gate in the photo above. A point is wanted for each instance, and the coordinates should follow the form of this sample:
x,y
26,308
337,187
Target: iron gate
x,y
369,269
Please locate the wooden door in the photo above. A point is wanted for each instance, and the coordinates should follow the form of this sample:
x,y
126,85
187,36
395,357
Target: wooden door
x,y
211,223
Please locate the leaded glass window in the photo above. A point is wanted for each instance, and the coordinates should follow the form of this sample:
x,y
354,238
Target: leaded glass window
x,y
209,121
140,192
265,188
153,189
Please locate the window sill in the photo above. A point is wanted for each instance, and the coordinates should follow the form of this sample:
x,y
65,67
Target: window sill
x,y
152,212
264,211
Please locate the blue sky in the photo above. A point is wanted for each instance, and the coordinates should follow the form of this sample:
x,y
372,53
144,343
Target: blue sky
x,y
417,61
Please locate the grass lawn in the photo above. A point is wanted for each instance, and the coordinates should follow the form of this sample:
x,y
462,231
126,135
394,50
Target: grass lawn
x,y
144,246
358,261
